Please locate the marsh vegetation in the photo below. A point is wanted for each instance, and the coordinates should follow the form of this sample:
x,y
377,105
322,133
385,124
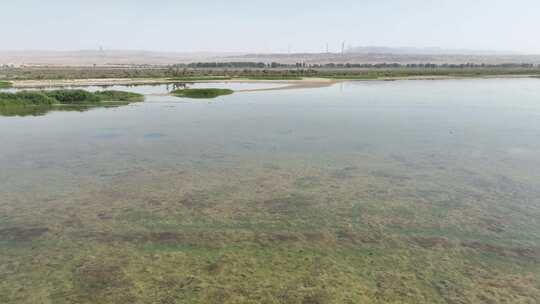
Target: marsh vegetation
x,y
266,71
200,78
5,84
274,77
112,95
201,93
39,102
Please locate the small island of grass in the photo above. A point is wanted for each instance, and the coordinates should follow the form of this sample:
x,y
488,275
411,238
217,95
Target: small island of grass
x,y
201,93
200,78
119,96
67,97
72,96
27,101
26,98
274,77
5,84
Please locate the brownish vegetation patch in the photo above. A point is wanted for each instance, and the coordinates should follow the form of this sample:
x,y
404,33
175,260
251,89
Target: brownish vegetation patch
x,y
22,233
174,238
432,242
394,288
356,238
391,177
104,216
345,173
288,205
277,237
98,280
451,292
195,200
516,252
171,238
493,224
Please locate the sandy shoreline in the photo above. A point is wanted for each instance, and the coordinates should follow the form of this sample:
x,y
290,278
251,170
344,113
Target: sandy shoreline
x,y
21,84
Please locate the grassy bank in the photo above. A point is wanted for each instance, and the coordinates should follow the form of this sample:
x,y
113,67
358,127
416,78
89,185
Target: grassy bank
x,y
437,72
201,93
216,74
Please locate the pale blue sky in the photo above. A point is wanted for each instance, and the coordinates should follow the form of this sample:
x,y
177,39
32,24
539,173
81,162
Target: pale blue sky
x,y
269,25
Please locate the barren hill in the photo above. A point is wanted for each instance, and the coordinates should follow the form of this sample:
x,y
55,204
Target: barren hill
x,y
122,57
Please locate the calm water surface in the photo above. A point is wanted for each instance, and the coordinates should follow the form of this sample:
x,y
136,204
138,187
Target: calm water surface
x,y
488,122
441,178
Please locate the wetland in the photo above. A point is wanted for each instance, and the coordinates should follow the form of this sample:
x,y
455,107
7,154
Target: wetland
x,y
419,191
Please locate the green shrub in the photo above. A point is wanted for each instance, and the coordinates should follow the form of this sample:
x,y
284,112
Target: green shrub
x,y
73,96
66,97
201,78
5,84
25,98
274,77
201,93
119,96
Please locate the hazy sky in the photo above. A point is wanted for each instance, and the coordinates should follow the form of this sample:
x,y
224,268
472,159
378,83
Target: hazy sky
x,y
269,25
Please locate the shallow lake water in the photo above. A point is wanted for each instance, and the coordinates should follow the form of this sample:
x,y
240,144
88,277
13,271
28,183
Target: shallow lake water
x,y
417,191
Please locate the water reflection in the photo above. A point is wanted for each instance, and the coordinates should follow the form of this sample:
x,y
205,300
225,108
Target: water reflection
x,y
41,110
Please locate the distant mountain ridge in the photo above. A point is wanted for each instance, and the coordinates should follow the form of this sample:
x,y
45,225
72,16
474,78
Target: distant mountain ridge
x,y
361,55
105,57
423,51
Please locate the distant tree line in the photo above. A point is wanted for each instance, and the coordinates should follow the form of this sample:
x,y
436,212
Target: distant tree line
x,y
275,65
